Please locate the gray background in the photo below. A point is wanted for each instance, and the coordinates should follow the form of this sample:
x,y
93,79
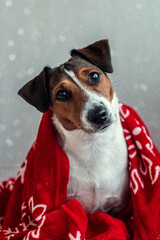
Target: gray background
x,y
34,33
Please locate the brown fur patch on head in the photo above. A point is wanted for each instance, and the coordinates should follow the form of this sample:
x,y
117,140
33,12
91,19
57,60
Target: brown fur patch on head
x,y
68,113
103,87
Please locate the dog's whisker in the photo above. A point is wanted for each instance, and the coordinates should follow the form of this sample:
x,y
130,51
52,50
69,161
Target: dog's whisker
x,y
77,115
118,83
79,125
115,84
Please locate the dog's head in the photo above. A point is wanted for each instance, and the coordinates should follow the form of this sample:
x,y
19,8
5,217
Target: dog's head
x,y
78,91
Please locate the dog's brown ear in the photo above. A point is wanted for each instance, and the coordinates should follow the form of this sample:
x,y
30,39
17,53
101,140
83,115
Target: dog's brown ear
x,y
98,54
36,91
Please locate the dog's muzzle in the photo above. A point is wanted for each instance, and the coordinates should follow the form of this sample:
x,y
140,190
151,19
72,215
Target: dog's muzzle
x,y
99,117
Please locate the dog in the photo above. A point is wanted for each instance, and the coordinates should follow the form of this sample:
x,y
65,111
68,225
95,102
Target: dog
x,y
86,117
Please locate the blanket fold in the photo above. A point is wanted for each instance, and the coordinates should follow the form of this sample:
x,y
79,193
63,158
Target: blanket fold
x,y
34,205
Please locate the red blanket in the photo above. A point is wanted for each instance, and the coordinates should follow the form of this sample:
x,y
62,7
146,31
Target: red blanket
x,y
34,206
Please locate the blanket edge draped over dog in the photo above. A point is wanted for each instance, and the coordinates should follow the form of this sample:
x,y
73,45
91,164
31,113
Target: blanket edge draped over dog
x,y
34,206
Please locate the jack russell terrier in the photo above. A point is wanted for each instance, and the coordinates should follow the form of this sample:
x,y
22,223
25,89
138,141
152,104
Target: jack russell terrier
x,y
86,117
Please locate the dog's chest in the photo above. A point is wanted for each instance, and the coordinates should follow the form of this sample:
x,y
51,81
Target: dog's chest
x,y
98,171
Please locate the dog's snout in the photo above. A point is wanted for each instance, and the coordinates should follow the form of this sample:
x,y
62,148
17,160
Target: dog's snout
x,y
98,115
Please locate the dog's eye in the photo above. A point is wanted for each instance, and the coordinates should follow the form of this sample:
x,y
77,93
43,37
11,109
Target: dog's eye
x,y
63,95
94,78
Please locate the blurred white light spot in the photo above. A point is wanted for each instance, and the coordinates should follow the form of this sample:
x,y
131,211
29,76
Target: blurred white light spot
x,y
17,134
27,11
30,71
2,127
9,3
11,43
12,57
62,38
9,142
16,122
20,31
19,75
144,87
139,6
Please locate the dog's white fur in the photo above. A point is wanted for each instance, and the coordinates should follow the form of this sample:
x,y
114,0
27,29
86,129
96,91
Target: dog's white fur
x,y
98,161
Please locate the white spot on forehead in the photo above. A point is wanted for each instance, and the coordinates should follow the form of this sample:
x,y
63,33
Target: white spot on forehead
x,y
93,97
75,79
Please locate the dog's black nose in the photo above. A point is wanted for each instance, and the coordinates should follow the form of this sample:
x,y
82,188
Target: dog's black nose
x,y
98,115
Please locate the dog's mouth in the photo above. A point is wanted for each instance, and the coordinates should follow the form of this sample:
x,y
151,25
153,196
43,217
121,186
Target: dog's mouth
x,y
100,128
107,125
104,128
